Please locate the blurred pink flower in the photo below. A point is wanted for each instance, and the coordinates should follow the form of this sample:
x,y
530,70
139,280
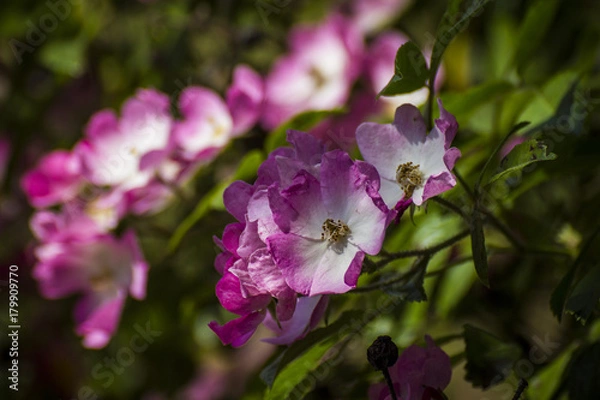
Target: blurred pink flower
x,y
74,256
371,15
207,125
56,179
245,98
4,157
416,370
318,72
510,145
125,152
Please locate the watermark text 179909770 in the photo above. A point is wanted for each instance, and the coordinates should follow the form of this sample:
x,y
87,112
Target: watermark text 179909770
x,y
13,326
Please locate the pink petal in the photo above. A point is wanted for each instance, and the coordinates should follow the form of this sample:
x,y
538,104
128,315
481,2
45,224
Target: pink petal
x,y
97,318
245,98
230,296
238,331
311,267
298,326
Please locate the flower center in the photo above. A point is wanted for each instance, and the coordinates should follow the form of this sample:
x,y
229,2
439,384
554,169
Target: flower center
x,y
218,129
103,279
318,77
335,231
409,177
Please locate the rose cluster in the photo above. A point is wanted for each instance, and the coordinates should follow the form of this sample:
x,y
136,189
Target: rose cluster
x,y
134,163
127,164
305,225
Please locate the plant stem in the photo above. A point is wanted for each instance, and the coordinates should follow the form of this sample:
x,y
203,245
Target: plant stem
x,y
390,384
451,206
464,184
453,264
430,100
430,250
520,389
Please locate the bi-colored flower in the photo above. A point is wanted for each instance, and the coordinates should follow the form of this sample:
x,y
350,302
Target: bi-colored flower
x,y
328,224
75,257
124,152
207,125
412,164
317,74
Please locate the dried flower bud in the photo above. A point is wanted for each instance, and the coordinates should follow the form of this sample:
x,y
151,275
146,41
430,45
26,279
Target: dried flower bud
x,y
383,353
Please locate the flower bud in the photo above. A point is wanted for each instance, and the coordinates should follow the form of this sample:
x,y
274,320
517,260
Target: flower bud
x,y
383,353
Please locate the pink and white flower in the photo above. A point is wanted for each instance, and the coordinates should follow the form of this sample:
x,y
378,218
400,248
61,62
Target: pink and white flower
x,y
316,75
207,125
328,225
75,257
125,152
251,278
412,165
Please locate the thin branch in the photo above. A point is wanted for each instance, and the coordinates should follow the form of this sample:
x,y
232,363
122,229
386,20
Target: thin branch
x,y
464,184
448,266
450,206
430,250
389,282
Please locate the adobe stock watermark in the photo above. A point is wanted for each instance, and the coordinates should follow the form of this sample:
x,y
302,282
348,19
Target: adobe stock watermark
x,y
541,352
38,31
267,7
385,304
105,371
551,134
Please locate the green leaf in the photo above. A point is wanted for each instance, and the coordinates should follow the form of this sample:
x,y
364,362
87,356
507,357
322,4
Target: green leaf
x,y
213,200
584,298
269,373
560,293
453,22
502,36
411,288
289,380
581,302
478,248
582,377
568,110
489,359
410,71
524,154
533,28
464,104
543,385
492,156
553,100
301,122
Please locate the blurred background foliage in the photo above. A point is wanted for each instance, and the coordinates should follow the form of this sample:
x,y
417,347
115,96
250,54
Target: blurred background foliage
x,y
518,61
